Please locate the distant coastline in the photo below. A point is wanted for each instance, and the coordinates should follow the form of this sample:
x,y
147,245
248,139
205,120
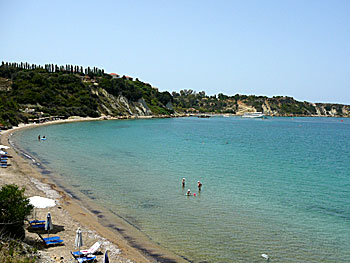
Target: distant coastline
x,y
36,94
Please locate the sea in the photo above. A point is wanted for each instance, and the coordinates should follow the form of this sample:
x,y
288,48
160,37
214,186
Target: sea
x,y
278,186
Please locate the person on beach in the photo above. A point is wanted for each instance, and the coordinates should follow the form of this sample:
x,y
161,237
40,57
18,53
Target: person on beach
x,y
188,192
183,182
199,186
39,137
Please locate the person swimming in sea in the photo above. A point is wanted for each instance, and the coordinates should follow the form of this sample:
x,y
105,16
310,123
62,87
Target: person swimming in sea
x,y
199,186
183,182
188,192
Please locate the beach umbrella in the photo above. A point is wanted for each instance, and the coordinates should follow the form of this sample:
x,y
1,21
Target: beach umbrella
x,y
106,259
40,202
48,224
79,239
4,147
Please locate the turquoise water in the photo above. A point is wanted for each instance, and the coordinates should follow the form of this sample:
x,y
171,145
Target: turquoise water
x,y
279,186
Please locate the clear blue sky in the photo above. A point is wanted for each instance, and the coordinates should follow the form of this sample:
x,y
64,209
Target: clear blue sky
x,y
294,48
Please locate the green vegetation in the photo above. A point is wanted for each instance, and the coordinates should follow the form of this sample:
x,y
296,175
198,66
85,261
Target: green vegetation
x,y
191,101
31,93
63,91
14,251
14,209
136,90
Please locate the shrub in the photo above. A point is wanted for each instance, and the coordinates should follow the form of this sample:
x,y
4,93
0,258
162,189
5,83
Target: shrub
x,y
14,208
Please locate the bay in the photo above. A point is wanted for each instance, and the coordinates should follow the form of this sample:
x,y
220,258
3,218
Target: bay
x,y
279,186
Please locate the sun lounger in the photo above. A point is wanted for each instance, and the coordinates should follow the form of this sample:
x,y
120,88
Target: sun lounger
x,y
88,258
92,250
54,242
37,224
51,240
3,165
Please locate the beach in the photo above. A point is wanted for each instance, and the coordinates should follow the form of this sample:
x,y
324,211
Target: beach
x,y
69,214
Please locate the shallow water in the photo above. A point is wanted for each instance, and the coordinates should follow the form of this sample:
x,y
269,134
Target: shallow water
x,y
279,186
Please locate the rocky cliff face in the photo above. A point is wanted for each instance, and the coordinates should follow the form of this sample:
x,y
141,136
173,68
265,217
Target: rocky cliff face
x,y
332,110
120,106
286,106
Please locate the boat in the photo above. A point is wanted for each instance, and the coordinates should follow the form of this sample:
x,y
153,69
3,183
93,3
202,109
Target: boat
x,y
257,114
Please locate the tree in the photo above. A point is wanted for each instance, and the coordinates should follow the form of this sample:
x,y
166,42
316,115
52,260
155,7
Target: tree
x,y
14,208
222,96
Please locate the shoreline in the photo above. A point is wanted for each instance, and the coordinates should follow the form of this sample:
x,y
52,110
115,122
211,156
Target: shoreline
x,y
73,212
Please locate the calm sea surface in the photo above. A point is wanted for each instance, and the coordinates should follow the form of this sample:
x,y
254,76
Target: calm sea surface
x,y
279,186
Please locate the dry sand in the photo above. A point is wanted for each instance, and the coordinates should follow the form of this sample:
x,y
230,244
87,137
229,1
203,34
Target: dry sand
x,y
69,214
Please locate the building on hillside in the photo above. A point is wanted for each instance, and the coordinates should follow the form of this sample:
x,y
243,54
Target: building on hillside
x,y
114,75
127,77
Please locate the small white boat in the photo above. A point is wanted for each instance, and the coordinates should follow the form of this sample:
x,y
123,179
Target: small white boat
x,y
257,114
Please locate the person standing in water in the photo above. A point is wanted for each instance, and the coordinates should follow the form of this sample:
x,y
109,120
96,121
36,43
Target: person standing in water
x,y
39,137
183,182
188,192
199,186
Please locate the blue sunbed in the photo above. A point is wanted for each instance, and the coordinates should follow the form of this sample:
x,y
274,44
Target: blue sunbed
x,y
54,242
51,240
38,226
84,259
36,221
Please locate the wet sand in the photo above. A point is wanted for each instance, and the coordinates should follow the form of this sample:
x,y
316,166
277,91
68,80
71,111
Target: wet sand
x,y
124,242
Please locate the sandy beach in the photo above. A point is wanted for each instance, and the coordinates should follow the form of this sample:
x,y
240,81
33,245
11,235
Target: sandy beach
x,y
69,214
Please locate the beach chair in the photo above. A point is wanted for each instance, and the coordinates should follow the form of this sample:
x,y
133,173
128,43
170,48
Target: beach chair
x,y
88,258
3,165
92,250
37,224
51,240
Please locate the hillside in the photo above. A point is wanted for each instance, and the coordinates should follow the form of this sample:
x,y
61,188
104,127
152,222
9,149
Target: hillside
x,y
32,93
190,101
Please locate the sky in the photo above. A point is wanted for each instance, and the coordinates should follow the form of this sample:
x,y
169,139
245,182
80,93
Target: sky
x,y
262,47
